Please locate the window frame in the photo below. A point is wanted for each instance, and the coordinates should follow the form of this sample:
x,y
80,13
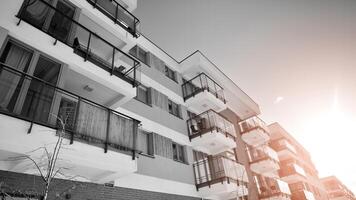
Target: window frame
x,y
172,104
150,143
170,73
148,96
177,150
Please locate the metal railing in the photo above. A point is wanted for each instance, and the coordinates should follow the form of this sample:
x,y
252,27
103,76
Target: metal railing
x,y
200,83
84,119
119,14
253,123
208,122
217,169
84,41
257,154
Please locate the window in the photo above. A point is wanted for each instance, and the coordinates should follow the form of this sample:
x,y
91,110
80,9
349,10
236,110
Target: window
x,y
28,97
143,94
173,108
139,53
170,73
178,152
145,142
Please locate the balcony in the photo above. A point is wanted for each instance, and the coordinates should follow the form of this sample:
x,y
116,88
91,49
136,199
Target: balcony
x,y
284,149
302,195
219,177
211,133
29,112
254,131
202,93
84,42
263,160
118,14
292,173
273,189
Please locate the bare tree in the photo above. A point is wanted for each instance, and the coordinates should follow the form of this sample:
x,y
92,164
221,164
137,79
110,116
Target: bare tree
x,y
46,166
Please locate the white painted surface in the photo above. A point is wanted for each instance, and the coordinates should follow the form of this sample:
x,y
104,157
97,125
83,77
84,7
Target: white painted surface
x,y
82,159
255,137
204,101
213,143
148,183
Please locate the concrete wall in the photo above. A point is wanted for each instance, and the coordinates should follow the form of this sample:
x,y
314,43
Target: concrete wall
x,y
158,115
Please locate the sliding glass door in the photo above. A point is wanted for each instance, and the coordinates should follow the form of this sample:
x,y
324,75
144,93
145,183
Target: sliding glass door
x,y
40,96
27,97
10,84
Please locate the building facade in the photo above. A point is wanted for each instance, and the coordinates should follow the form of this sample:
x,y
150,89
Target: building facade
x,y
336,189
138,124
296,166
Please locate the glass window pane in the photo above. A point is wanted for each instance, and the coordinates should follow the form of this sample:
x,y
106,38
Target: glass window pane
x,y
60,26
39,97
10,82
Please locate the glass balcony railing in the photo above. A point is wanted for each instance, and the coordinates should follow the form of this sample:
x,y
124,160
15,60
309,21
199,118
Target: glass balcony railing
x,y
119,14
84,120
200,83
217,169
84,42
251,124
210,121
258,154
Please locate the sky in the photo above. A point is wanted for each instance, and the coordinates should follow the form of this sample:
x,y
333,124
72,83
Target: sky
x,y
295,58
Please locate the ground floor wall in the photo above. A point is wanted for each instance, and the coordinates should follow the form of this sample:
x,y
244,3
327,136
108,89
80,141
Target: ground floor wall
x,y
18,184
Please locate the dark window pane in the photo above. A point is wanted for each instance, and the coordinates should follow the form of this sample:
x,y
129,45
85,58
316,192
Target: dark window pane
x,y
39,97
60,25
36,12
11,82
142,94
144,142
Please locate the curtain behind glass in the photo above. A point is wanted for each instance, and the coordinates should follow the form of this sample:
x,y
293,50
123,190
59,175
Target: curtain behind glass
x,y
36,12
18,58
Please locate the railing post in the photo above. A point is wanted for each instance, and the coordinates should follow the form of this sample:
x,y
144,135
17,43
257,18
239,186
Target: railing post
x,y
134,73
134,29
116,13
201,83
95,3
207,113
107,131
113,62
87,51
75,120
216,91
135,129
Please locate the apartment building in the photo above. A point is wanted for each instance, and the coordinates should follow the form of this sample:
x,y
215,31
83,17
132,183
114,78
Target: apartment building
x,y
263,160
138,123
296,166
336,189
